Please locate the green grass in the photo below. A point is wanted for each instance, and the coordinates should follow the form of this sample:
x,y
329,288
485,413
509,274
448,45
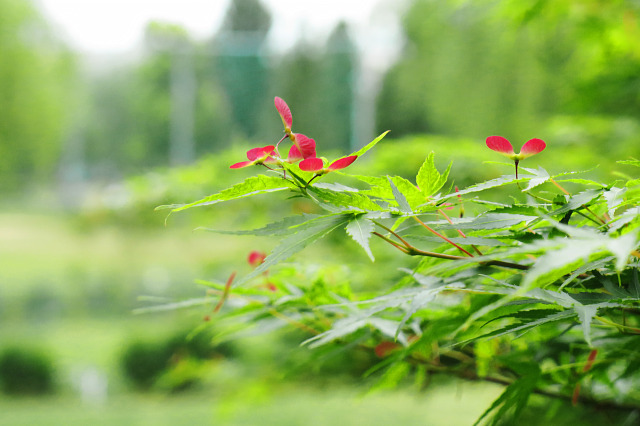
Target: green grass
x,y
51,267
450,404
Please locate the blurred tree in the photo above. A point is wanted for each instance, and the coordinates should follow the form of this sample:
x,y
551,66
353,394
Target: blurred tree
x,y
298,80
484,67
166,110
338,69
317,83
36,95
239,62
604,60
464,73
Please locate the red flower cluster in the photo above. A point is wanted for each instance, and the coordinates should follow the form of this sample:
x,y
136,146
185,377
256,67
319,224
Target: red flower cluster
x,y
303,149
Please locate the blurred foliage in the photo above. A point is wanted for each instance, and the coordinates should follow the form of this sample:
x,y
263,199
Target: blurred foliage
x,y
240,65
135,108
480,68
318,84
143,362
141,116
174,363
36,74
26,371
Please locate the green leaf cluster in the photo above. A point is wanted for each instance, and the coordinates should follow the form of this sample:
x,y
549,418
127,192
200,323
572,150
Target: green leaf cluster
x,y
519,292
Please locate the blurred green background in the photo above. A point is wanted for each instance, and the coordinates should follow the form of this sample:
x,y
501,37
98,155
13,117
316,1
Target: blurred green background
x,y
89,147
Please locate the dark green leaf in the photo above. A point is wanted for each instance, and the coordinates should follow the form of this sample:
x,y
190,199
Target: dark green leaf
x,y
526,325
514,398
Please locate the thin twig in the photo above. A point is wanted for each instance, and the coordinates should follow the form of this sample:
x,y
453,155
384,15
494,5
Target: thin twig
x,y
393,243
395,234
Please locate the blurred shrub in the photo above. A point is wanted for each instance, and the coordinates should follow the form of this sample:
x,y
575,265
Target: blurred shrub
x,y
199,345
133,201
174,363
26,371
143,362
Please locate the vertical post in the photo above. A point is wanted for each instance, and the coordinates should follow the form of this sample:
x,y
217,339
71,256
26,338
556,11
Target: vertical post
x,y
183,98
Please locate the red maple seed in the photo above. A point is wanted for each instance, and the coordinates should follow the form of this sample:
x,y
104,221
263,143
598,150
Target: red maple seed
x,y
316,165
260,155
303,147
504,147
285,113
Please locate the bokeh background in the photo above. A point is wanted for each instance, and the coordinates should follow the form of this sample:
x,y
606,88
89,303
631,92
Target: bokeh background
x,y
108,109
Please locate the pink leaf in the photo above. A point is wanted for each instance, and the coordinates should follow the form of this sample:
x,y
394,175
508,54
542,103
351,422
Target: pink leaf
x,y
241,165
342,162
533,146
501,145
284,111
311,164
306,145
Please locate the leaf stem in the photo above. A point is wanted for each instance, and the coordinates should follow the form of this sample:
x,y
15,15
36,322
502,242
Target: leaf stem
x,y
225,293
410,250
403,249
394,234
276,147
442,236
462,234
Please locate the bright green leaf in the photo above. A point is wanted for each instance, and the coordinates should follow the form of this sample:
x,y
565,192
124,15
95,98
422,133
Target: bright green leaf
x,y
254,185
370,144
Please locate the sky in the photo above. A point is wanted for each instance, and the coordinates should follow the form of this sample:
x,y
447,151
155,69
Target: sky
x,y
116,26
